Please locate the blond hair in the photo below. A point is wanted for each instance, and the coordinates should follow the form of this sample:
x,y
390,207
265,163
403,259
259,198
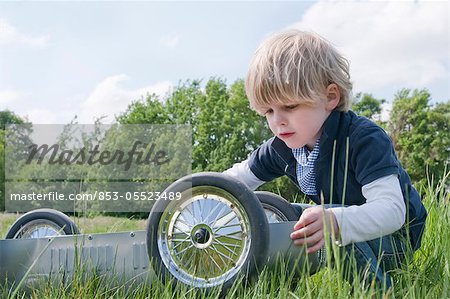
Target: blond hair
x,y
296,66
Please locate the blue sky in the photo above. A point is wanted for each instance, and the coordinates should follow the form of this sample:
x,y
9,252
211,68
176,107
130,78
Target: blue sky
x,y
60,59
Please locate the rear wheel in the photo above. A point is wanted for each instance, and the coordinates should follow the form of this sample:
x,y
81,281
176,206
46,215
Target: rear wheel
x,y
42,223
277,208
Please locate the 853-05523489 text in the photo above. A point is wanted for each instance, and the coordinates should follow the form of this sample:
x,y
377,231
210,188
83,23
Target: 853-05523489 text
x,y
96,195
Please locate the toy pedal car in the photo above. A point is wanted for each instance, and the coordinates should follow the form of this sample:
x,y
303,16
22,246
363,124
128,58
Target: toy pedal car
x,y
215,232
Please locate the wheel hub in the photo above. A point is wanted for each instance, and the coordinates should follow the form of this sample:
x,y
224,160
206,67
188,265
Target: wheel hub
x,y
201,236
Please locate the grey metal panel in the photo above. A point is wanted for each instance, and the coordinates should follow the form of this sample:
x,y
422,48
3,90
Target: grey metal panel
x,y
63,255
123,254
282,247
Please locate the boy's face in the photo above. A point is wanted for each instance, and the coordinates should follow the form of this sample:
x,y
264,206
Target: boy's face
x,y
299,124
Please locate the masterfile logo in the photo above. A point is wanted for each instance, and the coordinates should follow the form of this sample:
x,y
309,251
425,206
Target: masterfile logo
x,y
141,153
115,168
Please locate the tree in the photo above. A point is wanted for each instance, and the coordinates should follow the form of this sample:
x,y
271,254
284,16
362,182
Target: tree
x,y
421,134
439,152
2,170
148,110
224,129
368,106
10,118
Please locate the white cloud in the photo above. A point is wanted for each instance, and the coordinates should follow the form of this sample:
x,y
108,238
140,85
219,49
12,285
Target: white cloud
x,y
9,96
109,98
41,116
170,40
389,44
10,35
17,102
386,109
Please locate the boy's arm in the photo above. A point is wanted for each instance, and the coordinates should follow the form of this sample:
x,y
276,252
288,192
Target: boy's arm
x,y
383,213
263,165
242,172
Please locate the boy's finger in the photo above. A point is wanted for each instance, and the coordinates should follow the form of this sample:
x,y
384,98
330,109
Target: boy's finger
x,y
311,247
298,225
311,239
305,219
306,231
301,222
316,246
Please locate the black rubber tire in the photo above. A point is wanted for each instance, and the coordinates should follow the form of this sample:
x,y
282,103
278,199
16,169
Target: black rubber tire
x,y
66,225
278,205
258,224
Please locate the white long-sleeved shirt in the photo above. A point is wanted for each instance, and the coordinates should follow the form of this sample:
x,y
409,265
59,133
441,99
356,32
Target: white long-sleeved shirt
x,y
383,213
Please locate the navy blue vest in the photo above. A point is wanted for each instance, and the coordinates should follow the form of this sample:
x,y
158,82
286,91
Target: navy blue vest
x,y
350,145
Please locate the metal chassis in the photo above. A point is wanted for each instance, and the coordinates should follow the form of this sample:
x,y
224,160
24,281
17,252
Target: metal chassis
x,y
121,256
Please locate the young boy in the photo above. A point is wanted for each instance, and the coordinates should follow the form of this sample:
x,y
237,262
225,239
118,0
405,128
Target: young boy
x,y
301,84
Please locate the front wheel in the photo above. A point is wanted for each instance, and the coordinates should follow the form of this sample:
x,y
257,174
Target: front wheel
x,y
214,233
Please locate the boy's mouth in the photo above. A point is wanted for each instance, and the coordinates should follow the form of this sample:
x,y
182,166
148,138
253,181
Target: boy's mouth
x,y
286,135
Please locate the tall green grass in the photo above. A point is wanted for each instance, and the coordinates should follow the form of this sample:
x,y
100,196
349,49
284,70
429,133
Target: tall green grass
x,y
427,275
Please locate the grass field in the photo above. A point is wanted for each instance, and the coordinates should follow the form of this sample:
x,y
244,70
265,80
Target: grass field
x,y
426,276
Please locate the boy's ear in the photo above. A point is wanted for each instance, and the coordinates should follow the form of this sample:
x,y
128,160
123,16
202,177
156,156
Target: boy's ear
x,y
333,96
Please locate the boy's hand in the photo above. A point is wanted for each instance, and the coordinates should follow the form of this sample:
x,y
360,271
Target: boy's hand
x,y
309,229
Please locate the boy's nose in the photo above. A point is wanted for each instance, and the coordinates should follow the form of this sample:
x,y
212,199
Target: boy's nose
x,y
279,119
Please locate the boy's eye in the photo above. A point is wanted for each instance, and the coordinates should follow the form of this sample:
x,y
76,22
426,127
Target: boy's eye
x,y
291,107
268,111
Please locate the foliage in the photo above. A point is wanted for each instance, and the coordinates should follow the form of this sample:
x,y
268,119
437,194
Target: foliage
x,y
225,130
10,118
2,170
421,134
368,106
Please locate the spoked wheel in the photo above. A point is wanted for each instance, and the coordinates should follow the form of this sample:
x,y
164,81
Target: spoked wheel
x,y
277,208
216,231
42,223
